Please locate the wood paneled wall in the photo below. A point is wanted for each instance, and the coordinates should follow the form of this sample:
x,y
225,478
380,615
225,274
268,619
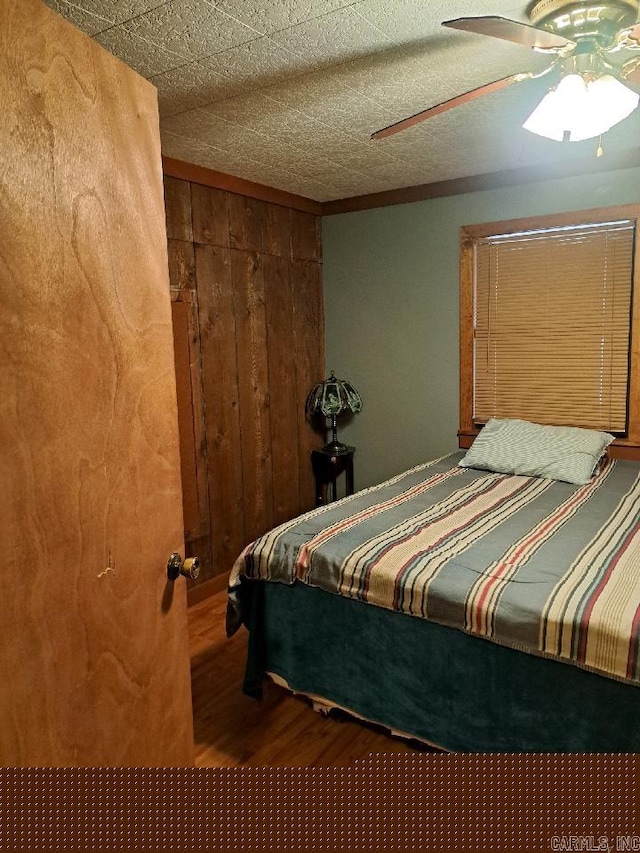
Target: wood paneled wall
x,y
246,284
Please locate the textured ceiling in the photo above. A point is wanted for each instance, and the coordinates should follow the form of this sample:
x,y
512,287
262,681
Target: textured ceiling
x,y
287,92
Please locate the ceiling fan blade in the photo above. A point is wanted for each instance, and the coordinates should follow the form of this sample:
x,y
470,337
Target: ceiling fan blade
x,y
450,104
504,28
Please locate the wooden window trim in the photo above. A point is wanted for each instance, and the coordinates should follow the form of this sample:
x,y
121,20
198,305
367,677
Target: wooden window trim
x,y
627,447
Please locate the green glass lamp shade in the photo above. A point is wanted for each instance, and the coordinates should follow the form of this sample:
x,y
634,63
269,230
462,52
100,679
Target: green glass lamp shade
x,y
332,398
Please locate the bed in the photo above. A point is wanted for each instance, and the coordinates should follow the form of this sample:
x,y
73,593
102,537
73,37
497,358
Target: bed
x,y
473,609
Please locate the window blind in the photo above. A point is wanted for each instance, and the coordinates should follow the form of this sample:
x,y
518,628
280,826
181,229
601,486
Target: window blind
x,y
552,323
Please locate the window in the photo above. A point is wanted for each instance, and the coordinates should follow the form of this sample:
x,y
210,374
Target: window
x,y
547,331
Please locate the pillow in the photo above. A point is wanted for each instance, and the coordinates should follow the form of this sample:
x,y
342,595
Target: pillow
x,y
562,453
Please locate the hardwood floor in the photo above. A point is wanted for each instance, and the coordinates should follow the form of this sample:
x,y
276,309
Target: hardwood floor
x,y
231,729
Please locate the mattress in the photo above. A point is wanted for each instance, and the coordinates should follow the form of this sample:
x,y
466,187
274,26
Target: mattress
x,y
536,565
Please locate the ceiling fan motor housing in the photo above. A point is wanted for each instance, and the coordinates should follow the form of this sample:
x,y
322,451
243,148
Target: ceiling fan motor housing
x,y
597,22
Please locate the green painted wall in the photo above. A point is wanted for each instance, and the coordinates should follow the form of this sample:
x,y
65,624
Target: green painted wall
x,y
391,310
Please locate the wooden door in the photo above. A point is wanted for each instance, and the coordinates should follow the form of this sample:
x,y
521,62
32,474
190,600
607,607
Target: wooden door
x,y
93,642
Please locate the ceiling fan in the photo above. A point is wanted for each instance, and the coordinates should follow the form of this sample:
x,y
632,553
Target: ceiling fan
x,y
590,92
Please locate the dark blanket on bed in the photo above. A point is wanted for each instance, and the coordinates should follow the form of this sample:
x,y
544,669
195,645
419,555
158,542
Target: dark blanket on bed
x,y
535,564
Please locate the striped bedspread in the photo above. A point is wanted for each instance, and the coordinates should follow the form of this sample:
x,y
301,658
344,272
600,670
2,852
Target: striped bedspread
x,y
535,564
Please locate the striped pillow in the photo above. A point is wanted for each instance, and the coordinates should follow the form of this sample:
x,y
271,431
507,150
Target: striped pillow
x,y
555,452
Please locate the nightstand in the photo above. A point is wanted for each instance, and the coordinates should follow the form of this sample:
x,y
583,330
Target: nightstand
x,y
327,467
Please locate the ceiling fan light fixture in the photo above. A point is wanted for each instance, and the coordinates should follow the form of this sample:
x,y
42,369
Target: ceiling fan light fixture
x,y
578,36
582,108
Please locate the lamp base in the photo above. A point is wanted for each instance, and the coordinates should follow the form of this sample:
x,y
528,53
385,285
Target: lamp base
x,y
336,447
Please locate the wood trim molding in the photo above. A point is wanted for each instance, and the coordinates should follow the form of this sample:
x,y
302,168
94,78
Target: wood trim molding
x,y
466,321
468,233
198,593
404,195
489,181
221,181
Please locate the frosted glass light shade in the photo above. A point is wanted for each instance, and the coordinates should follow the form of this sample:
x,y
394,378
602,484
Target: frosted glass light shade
x,y
582,108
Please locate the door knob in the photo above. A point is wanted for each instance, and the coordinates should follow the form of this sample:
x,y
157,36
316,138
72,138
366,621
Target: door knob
x,y
190,568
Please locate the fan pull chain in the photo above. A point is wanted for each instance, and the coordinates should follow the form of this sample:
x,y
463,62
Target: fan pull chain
x,y
599,149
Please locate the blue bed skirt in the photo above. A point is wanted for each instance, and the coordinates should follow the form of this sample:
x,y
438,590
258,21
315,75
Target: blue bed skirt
x,y
436,683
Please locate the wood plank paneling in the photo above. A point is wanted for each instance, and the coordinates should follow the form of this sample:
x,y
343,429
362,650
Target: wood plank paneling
x,y
198,542
277,230
286,408
182,265
253,391
256,348
246,223
211,178
210,215
193,454
305,236
220,383
180,318
177,201
308,319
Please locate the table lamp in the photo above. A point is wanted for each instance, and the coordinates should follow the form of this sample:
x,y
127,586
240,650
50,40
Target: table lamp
x,y
332,398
